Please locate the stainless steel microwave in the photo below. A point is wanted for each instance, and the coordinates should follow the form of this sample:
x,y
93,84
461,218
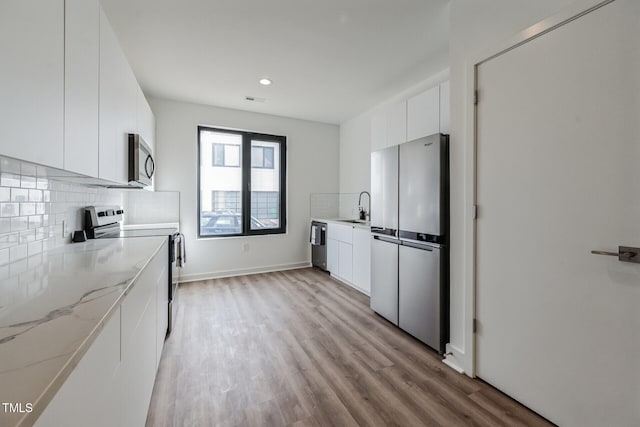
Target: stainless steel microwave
x,y
141,164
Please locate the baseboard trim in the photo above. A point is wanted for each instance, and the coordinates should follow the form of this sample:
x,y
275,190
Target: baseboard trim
x,y
453,357
453,365
349,284
242,272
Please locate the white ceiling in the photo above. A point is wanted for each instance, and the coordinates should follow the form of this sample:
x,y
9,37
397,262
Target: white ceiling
x,y
329,59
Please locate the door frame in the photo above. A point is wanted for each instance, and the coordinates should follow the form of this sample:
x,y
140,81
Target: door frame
x,y
571,13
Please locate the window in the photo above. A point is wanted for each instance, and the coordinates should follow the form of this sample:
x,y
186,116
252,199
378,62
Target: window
x,y
225,155
242,188
262,157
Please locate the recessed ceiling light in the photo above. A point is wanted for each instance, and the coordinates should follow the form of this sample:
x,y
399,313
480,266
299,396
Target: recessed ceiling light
x,y
265,81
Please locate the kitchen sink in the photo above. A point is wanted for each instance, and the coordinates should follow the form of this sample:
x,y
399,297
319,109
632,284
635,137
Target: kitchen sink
x,y
353,221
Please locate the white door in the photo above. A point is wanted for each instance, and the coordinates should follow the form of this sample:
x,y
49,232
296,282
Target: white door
x,y
558,175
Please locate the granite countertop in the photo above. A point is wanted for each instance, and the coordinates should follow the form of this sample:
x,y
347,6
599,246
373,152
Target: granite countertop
x,y
345,221
52,307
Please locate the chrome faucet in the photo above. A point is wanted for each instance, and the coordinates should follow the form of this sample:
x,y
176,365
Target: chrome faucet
x,y
364,212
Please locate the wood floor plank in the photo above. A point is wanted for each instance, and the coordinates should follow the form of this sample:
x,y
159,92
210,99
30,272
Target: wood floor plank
x,y
297,348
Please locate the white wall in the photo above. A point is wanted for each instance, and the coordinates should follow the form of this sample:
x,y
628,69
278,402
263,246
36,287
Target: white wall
x,y
312,167
475,27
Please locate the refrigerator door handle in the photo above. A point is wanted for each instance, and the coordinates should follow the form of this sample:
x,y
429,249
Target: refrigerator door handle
x,y
386,239
417,246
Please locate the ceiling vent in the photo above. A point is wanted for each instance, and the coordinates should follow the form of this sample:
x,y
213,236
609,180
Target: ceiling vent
x,y
254,99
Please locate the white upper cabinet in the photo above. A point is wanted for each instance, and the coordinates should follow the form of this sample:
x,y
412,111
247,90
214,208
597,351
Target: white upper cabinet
x,y
389,126
117,106
423,114
397,124
379,130
32,81
82,56
146,120
445,112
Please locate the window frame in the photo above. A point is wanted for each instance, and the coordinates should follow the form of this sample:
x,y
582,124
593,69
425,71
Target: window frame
x,y
245,192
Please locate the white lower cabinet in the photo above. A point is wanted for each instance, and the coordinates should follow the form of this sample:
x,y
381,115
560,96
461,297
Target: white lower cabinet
x,y
348,255
162,304
332,254
113,382
345,261
362,259
81,400
339,257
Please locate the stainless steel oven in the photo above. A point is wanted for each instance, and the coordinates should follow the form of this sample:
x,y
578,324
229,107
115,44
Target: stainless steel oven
x,y
176,261
102,222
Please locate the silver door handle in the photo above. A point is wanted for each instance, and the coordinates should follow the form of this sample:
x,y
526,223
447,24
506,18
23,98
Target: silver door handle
x,y
625,253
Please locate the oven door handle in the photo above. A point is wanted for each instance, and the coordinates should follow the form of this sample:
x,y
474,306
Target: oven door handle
x,y
172,249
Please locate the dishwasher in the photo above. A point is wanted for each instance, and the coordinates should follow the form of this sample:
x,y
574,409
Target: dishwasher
x,y
318,240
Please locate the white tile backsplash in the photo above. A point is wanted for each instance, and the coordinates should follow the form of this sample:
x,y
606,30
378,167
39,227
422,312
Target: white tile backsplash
x,y
5,225
5,194
9,180
19,223
336,205
35,195
27,181
9,209
40,208
145,207
19,195
33,210
27,209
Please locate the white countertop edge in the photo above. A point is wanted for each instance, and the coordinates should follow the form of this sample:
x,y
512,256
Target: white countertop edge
x,y
175,225
340,221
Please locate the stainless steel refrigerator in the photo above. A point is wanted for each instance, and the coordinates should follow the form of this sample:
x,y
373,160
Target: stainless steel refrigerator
x,y
384,233
410,233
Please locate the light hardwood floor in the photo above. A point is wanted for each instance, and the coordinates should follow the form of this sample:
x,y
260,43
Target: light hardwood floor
x,y
296,348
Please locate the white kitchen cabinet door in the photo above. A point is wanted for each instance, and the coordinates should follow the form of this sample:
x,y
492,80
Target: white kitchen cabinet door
x,y
445,111
139,340
118,97
162,296
145,119
32,83
423,114
332,256
81,88
83,399
345,261
396,124
362,259
342,233
379,130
